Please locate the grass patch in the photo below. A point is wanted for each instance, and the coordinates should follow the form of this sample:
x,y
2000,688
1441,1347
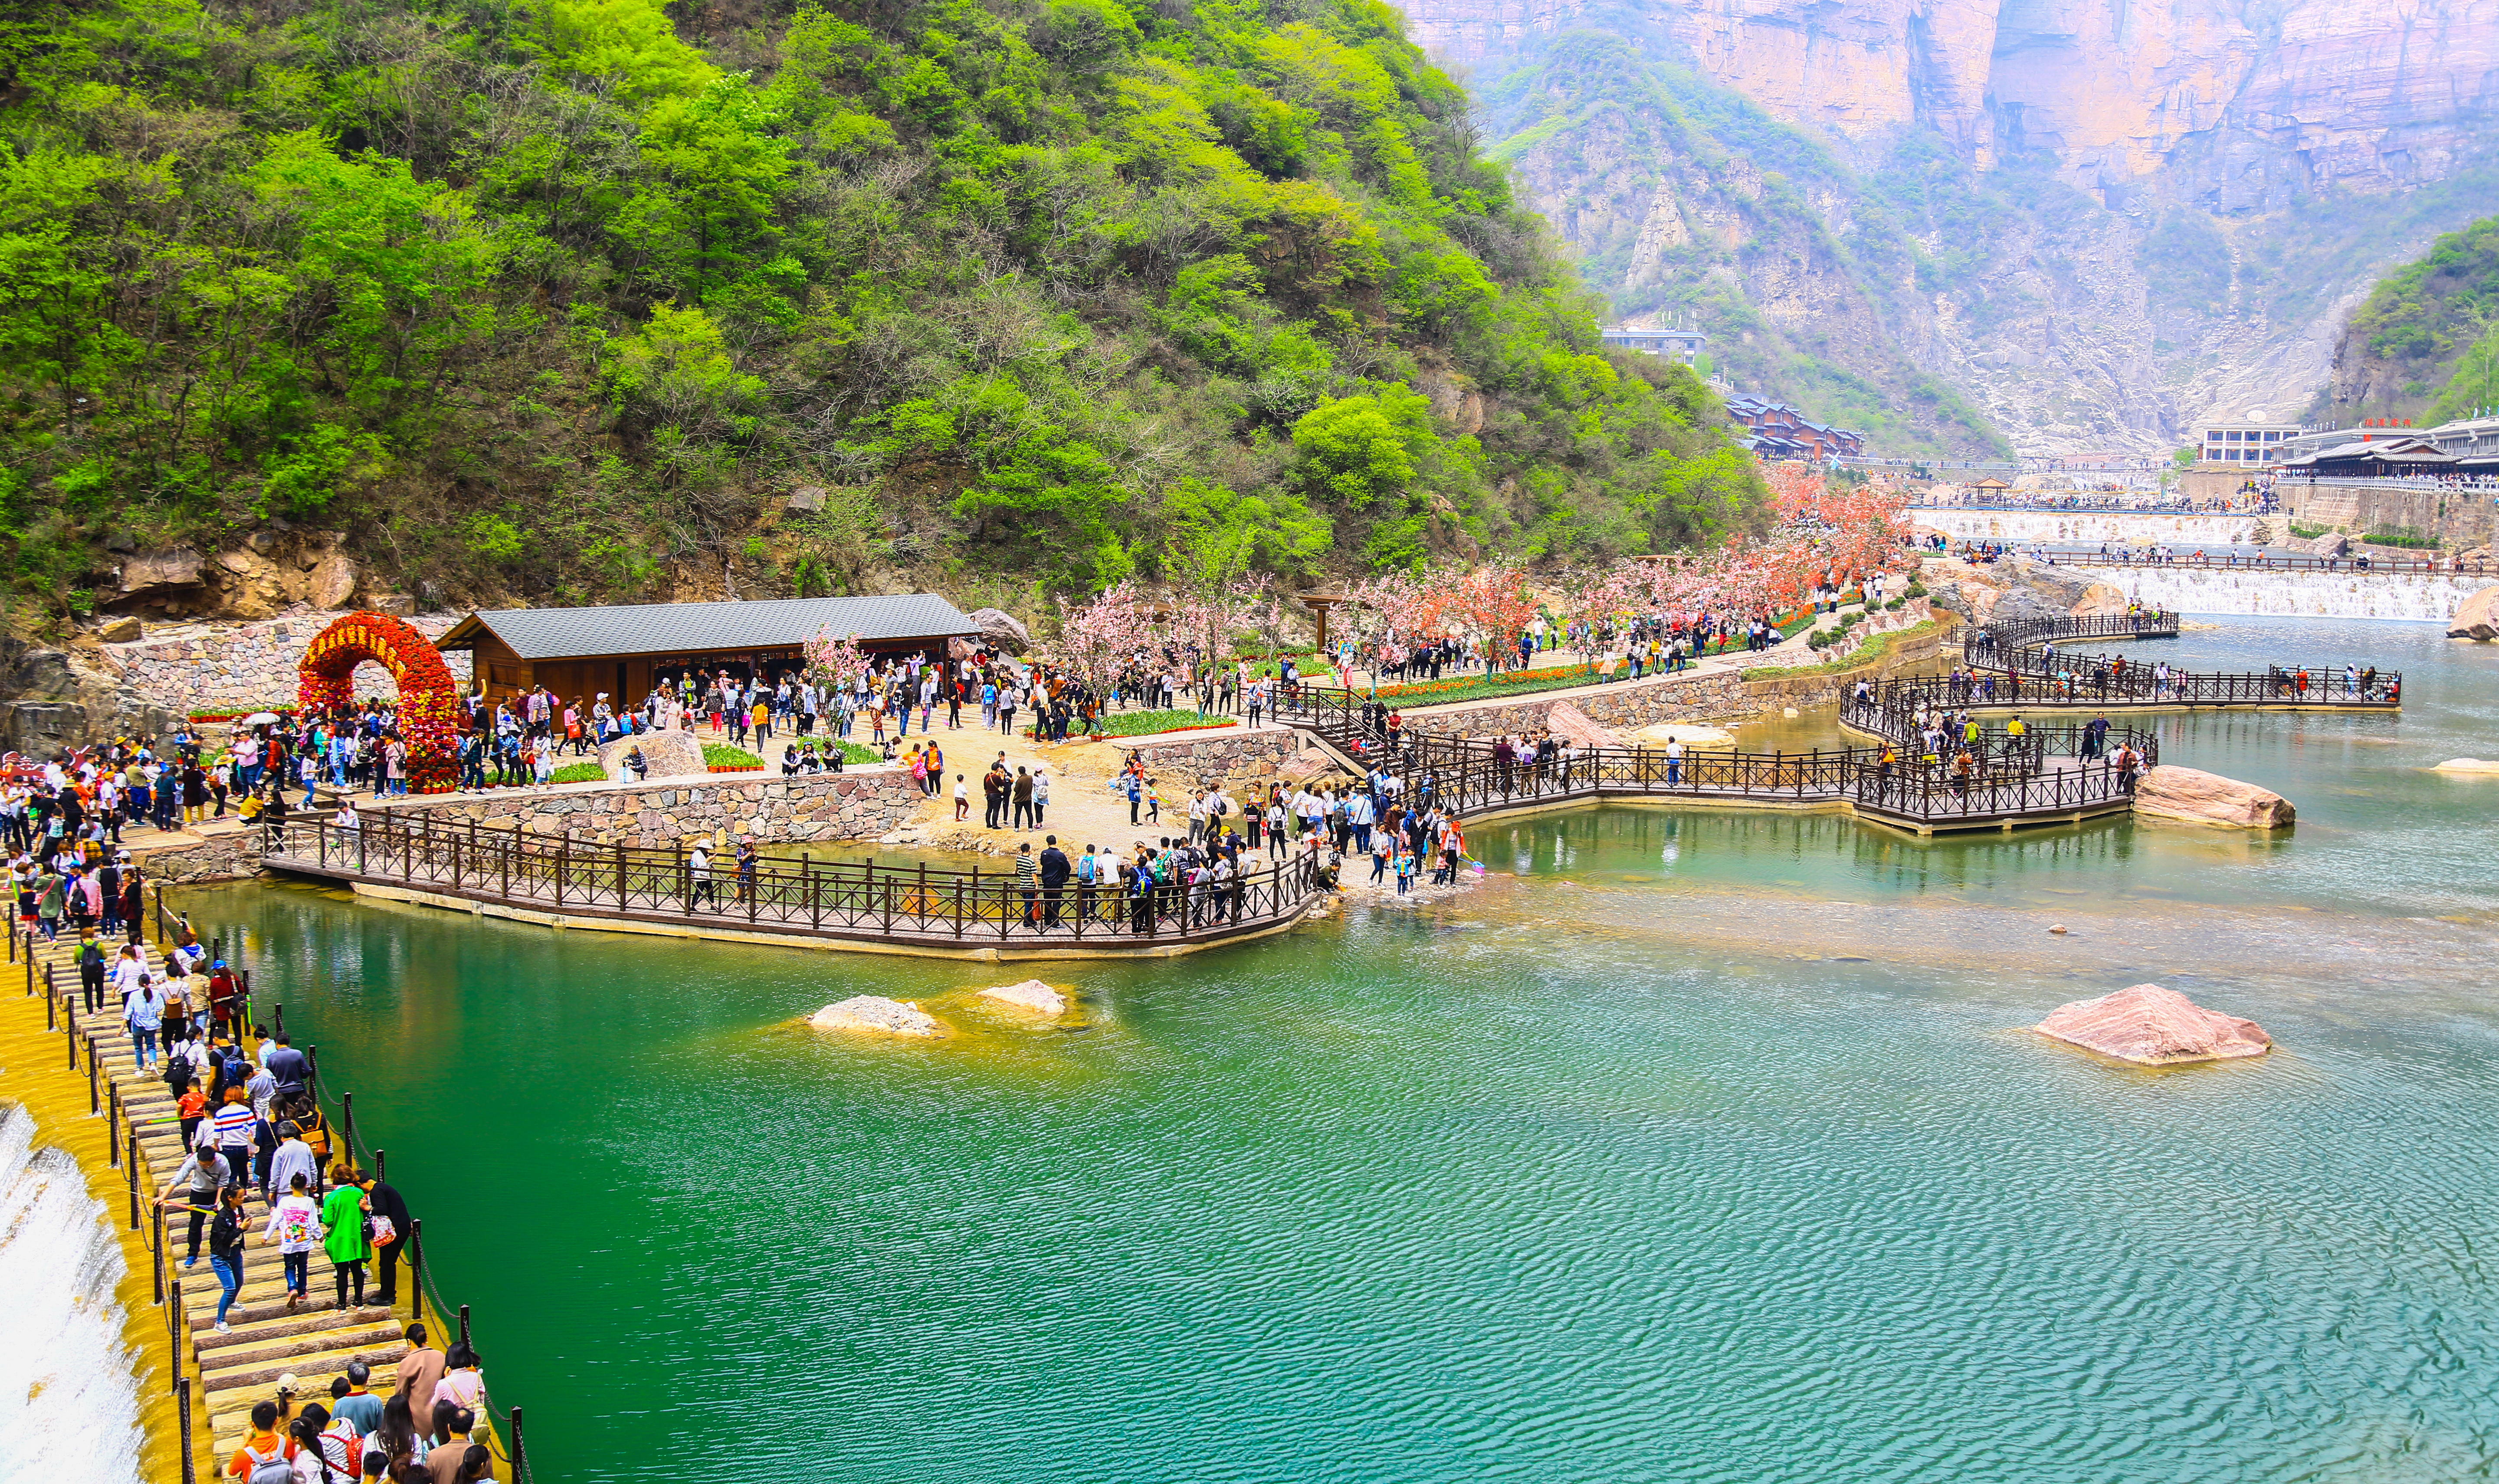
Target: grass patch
x,y
1145,724
722,757
580,772
1868,653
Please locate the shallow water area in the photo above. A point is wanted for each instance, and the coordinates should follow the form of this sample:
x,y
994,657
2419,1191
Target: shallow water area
x,y
1687,1145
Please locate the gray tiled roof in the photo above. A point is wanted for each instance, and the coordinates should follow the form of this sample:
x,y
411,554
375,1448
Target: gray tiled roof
x,y
674,629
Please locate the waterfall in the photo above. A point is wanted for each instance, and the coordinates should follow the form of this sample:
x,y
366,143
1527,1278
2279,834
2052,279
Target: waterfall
x,y
2413,596
69,1391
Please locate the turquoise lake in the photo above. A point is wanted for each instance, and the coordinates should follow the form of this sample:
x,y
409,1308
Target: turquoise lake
x,y
1688,1146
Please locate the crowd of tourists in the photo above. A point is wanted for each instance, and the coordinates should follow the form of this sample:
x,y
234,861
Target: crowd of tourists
x,y
251,1128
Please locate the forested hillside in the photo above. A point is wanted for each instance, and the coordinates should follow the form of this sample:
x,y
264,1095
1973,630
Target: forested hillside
x,y
564,301
2425,344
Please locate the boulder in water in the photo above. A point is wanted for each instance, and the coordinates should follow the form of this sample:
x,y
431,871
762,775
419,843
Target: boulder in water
x,y
874,1014
2155,1027
2332,543
2208,798
1033,994
1569,723
2468,765
2476,617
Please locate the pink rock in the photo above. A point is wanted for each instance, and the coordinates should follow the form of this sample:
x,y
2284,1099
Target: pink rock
x,y
2476,617
1569,723
2155,1027
2208,798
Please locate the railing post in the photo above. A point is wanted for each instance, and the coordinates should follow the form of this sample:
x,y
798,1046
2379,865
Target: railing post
x,y
182,1403
520,1454
464,1324
130,1168
113,1126
156,1247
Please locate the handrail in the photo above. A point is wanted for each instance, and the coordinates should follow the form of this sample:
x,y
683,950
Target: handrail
x,y
844,899
2049,770
2019,654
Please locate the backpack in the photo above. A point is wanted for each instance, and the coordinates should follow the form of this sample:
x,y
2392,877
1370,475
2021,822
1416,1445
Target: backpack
x,y
277,1468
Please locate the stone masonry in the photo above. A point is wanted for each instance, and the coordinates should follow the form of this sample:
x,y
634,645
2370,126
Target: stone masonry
x,y
222,667
772,808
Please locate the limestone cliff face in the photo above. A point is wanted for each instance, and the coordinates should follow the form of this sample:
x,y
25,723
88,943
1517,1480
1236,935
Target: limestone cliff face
x,y
2178,200
2260,96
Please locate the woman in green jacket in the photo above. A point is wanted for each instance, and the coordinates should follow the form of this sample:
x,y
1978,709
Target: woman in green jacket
x,y
49,904
344,1213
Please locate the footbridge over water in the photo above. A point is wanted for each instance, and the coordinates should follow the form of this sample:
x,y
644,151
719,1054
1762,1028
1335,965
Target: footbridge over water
x,y
2059,770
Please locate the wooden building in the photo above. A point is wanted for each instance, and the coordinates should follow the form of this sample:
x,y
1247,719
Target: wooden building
x,y
626,651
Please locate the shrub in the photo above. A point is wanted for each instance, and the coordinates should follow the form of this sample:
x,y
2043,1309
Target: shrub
x,y
580,772
724,758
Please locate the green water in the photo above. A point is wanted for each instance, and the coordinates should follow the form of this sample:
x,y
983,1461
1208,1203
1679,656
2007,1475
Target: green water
x,y
1688,1146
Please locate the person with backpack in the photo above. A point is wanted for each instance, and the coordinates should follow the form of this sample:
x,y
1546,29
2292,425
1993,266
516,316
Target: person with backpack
x,y
264,1457
90,967
294,1226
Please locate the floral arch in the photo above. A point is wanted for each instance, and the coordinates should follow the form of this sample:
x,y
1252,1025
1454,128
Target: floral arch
x,y
429,700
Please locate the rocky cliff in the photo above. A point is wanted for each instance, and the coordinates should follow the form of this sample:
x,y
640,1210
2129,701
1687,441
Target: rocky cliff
x,y
2117,216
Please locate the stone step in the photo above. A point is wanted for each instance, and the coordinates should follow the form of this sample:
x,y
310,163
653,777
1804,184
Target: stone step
x,y
236,1350
267,1305
306,1368
279,1325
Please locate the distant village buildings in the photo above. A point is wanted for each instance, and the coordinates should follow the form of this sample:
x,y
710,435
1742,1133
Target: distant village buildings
x,y
1782,432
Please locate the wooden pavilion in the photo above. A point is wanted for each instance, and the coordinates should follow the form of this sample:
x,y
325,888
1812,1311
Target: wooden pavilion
x,y
626,651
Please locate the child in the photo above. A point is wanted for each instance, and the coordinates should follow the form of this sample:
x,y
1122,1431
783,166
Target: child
x,y
1153,801
1405,869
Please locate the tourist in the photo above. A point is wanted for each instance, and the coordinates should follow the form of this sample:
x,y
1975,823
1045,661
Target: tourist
x,y
344,1211
392,1224
1028,872
1040,792
264,1457
418,1372
202,1179
291,1164
698,890
144,1013
225,1247
1023,798
462,1385
1055,871
294,1225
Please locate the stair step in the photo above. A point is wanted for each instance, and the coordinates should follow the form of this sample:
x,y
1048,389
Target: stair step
x,y
281,1325
306,1368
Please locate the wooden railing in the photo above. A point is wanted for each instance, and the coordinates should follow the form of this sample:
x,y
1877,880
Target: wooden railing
x,y
852,900
2011,665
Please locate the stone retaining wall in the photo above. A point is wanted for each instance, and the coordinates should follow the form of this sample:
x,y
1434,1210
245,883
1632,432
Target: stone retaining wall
x,y
1230,756
251,664
220,857
658,814
1626,705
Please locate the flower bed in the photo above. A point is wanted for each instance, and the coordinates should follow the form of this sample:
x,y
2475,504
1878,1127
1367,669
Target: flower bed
x,y
1151,724
237,713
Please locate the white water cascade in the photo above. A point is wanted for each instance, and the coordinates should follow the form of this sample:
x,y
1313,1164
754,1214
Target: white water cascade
x,y
69,1394
2413,596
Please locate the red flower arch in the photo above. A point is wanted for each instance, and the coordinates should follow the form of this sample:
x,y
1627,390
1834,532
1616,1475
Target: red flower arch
x,y
429,698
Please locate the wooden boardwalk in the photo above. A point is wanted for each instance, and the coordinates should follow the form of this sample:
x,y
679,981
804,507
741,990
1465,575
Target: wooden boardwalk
x,y
229,1373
